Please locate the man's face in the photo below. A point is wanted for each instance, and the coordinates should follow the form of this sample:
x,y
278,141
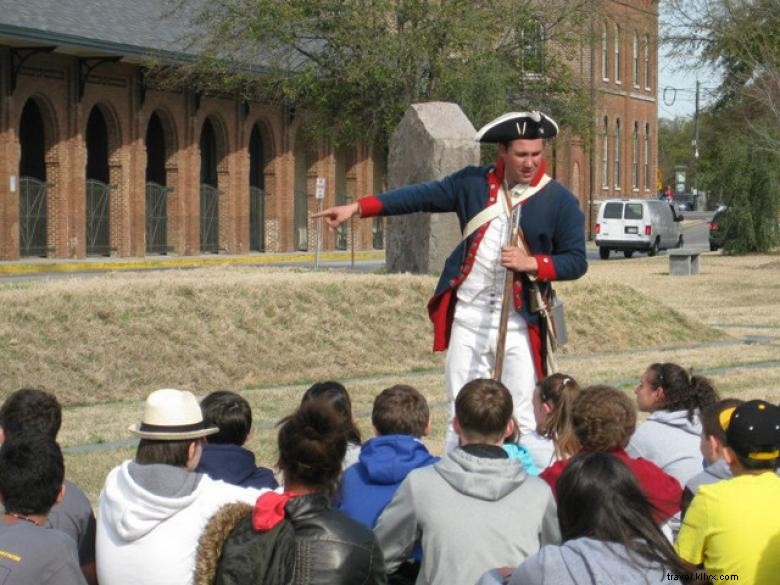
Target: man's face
x,y
521,159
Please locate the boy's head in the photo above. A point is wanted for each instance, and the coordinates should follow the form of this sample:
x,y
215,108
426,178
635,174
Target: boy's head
x,y
30,410
483,412
603,418
31,474
172,429
401,410
230,413
753,437
714,422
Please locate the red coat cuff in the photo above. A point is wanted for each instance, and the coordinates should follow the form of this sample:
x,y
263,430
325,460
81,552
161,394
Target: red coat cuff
x,y
369,206
545,268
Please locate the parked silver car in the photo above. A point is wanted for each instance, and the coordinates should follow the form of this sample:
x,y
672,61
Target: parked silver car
x,y
630,225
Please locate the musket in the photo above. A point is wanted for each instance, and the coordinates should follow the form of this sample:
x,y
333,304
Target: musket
x,y
506,300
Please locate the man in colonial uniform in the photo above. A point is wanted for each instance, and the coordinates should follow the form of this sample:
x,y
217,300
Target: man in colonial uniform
x,y
466,306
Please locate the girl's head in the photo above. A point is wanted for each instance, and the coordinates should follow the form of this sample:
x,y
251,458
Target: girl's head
x,y
599,498
552,401
337,396
667,386
312,446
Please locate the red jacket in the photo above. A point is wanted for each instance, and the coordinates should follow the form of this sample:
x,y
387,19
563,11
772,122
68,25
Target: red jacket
x,y
662,490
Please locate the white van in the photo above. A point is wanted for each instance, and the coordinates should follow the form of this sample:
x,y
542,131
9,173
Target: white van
x,y
628,225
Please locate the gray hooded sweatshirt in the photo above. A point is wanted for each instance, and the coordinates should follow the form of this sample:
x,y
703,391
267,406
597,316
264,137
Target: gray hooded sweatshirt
x,y
586,561
472,513
671,441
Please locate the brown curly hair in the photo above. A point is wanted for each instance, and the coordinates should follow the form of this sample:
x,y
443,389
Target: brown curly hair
x,y
603,417
682,391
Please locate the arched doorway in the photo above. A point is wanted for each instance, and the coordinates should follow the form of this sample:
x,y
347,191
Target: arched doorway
x,y
156,188
98,189
301,197
257,162
33,208
209,195
345,190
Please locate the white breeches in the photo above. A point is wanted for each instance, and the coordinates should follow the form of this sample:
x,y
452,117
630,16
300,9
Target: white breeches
x,y
472,353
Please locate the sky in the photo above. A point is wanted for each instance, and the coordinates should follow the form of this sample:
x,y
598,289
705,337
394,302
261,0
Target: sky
x,y
682,102
677,84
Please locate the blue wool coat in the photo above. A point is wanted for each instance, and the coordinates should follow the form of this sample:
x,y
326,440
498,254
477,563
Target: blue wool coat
x,y
551,220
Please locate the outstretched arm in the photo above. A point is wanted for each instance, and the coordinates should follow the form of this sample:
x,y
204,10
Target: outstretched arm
x,y
335,216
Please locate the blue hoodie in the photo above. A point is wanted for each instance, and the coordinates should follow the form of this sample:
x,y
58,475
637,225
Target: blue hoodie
x,y
369,485
236,465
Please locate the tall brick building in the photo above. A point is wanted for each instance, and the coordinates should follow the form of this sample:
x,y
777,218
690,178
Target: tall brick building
x,y
620,68
95,161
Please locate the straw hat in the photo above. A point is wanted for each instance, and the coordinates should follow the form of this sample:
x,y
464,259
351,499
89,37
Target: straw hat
x,y
171,415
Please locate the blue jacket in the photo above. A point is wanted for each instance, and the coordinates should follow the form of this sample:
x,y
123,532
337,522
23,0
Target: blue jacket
x,y
552,222
236,465
369,485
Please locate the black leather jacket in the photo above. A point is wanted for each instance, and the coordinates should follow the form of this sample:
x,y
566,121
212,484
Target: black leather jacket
x,y
331,548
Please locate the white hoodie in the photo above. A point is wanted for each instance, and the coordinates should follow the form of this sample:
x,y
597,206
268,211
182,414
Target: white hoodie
x,y
150,520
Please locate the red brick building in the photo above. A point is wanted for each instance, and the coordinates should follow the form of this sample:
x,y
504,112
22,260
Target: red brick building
x,y
94,161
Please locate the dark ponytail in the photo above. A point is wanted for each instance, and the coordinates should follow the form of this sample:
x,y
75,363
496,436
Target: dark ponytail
x,y
681,391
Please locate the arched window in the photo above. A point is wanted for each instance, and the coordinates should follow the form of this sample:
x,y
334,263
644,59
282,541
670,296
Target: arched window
x,y
647,61
604,52
617,154
635,60
618,77
605,153
647,156
635,156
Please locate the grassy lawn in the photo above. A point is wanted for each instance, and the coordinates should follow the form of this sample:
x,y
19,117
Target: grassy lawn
x,y
101,344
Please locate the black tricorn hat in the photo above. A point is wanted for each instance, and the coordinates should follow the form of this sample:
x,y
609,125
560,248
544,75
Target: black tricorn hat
x,y
516,125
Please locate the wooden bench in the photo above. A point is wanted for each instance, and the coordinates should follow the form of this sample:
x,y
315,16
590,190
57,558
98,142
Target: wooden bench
x,y
683,262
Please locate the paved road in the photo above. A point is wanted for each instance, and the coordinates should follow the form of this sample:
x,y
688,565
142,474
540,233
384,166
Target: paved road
x,y
695,233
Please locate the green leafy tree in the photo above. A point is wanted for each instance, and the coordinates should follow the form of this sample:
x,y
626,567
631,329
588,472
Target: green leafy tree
x,y
354,66
674,146
741,131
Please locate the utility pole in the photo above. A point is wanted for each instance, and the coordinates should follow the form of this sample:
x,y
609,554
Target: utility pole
x,y
696,148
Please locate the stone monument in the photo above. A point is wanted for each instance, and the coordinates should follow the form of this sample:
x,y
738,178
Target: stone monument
x,y
432,140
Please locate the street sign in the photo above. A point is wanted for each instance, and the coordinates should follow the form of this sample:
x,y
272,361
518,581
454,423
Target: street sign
x,y
319,193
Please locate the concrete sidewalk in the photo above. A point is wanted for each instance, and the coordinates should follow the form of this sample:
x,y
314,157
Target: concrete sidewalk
x,y
97,264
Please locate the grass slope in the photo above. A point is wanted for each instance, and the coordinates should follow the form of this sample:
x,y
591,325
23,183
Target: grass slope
x,y
117,337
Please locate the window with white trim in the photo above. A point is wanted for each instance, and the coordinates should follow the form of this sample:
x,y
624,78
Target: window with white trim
x,y
635,156
605,153
617,54
647,62
604,52
617,154
635,61
647,156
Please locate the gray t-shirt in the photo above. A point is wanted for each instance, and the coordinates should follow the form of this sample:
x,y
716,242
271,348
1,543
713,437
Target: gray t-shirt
x,y
74,516
34,554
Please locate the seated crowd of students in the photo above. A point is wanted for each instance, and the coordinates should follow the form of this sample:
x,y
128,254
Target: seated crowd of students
x,y
589,497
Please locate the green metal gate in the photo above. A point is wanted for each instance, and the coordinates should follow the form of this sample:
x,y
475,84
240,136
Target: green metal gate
x,y
32,217
156,218
209,219
301,221
378,232
98,211
257,219
341,231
